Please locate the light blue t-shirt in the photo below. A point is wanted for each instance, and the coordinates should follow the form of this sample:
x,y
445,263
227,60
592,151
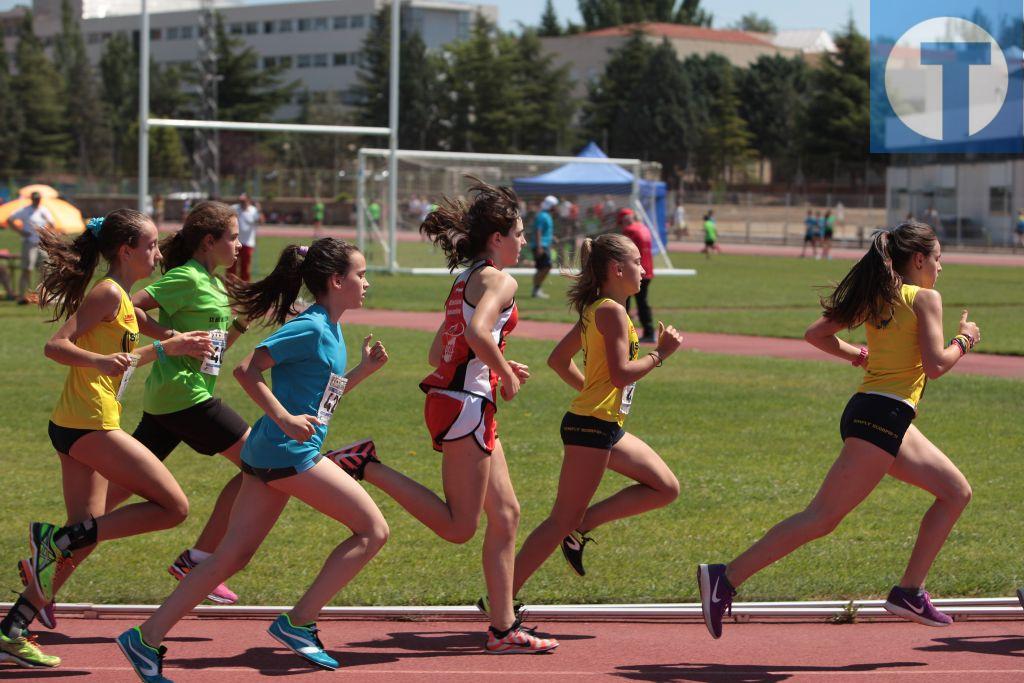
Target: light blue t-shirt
x,y
309,358
812,225
545,227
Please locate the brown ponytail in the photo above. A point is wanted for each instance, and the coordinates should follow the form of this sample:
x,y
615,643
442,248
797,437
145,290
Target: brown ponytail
x,y
275,294
596,255
205,218
872,287
462,230
69,265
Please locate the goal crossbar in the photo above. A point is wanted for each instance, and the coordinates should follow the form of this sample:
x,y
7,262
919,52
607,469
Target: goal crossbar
x,y
264,127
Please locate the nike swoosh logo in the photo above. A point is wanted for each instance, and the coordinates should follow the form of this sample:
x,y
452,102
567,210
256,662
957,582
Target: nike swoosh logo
x,y
572,543
714,591
918,611
148,670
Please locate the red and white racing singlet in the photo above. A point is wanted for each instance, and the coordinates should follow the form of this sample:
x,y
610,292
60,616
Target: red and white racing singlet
x,y
460,369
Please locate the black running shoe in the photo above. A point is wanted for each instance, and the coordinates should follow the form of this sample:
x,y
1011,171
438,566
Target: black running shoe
x,y
354,457
1020,596
572,548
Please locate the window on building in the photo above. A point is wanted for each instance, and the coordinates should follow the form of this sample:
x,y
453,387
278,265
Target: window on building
x,y
172,33
269,26
155,34
186,32
319,97
269,62
236,29
999,201
350,98
285,26
320,24
95,38
320,60
305,24
358,21
304,61
285,61
252,28
340,59
340,23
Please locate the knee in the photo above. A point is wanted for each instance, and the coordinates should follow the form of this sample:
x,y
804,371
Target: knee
x,y
377,535
669,489
177,510
505,519
460,533
960,495
230,561
567,521
821,522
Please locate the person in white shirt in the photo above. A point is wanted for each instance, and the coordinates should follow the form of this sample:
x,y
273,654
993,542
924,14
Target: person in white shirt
x,y
27,221
681,229
248,218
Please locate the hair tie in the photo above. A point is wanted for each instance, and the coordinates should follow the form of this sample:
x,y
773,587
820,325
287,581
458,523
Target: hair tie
x,y
94,225
302,250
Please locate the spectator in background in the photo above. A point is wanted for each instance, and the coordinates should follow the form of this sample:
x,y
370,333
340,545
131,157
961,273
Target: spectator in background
x,y
710,234
828,224
28,221
638,233
810,235
1020,229
543,236
931,217
374,211
248,218
318,216
159,208
679,221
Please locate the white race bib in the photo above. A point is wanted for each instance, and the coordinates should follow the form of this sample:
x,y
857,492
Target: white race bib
x,y
127,376
211,365
627,398
332,394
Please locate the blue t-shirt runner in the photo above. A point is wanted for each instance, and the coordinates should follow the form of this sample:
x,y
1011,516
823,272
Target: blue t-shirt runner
x,y
545,229
308,379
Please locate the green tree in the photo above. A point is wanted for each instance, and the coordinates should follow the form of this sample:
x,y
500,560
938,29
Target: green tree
x,y
166,156
38,89
10,114
119,77
603,13
419,90
544,108
837,121
549,22
725,143
84,110
752,21
774,101
690,12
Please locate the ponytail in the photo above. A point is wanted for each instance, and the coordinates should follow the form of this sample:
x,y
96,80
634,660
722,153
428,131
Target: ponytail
x,y
596,255
69,265
871,289
462,230
273,297
205,218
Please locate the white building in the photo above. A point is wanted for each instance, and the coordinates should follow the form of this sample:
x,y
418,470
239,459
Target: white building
x,y
318,42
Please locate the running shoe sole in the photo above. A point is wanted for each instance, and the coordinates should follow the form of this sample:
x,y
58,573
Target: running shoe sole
x,y
289,648
911,615
45,616
180,575
520,651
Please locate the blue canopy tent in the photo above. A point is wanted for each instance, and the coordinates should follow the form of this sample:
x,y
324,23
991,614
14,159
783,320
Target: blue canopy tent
x,y
590,178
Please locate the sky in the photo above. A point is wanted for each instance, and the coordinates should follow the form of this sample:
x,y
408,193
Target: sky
x,y
787,14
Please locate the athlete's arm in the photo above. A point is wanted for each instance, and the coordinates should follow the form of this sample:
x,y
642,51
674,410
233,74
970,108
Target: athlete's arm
x,y
249,374
144,301
822,335
497,290
373,359
434,355
99,305
936,357
561,360
613,324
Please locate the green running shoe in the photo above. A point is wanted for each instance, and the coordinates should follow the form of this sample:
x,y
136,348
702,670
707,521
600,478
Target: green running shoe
x,y
25,653
46,557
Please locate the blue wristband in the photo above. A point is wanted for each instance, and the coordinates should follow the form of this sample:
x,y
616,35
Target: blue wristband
x,y
160,353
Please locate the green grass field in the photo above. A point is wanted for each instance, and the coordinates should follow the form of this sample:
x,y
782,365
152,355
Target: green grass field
x,y
749,439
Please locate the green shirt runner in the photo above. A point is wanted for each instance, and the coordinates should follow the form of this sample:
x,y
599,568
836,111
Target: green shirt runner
x,y
190,298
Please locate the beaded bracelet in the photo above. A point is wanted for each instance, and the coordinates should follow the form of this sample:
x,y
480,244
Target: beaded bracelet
x,y
160,353
961,341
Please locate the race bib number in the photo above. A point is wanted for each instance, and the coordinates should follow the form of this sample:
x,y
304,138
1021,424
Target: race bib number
x,y
627,398
332,394
211,365
127,376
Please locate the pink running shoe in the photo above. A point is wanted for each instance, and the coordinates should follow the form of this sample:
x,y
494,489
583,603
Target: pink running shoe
x,y
221,594
519,640
47,617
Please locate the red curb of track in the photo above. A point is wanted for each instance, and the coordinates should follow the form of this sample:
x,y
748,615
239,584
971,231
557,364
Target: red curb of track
x,y
731,345
226,651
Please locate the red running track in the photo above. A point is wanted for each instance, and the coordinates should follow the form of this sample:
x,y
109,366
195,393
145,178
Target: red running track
x,y
731,345
226,651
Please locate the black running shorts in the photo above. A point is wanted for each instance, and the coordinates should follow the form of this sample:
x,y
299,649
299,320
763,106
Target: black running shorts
x,y
542,258
879,420
591,432
269,474
210,427
63,438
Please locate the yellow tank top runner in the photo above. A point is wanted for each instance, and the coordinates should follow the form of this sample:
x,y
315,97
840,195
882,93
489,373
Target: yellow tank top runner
x,y
600,398
894,366
89,398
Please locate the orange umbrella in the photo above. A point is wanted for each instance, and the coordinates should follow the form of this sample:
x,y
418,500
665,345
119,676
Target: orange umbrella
x,y
45,191
66,217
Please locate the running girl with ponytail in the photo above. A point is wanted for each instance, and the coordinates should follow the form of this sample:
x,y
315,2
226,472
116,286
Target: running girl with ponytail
x,y
281,457
485,236
98,342
592,434
891,291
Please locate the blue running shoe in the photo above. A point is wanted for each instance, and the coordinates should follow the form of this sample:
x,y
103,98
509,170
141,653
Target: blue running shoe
x,y
147,661
303,641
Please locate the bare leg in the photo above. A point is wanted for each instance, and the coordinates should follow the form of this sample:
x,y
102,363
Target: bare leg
x,y
922,464
329,490
465,470
854,475
657,486
255,512
499,553
217,525
582,469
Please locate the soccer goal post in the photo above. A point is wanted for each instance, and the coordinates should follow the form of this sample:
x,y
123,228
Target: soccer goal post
x,y
590,190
